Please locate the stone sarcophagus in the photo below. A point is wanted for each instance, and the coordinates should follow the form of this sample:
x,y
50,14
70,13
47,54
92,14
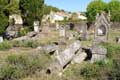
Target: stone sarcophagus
x,y
64,58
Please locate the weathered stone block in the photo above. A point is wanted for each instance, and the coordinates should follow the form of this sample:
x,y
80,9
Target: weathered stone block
x,y
80,57
64,57
98,53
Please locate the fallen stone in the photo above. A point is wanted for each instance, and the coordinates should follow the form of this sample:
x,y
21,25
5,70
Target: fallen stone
x,y
65,57
80,57
50,49
98,53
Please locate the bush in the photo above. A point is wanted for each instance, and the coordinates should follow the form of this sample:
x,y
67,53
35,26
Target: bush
x,y
112,49
3,22
23,31
90,71
5,45
20,66
30,43
114,73
10,72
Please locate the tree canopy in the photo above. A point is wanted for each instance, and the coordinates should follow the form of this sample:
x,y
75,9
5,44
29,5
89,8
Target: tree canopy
x,y
97,6
114,7
31,10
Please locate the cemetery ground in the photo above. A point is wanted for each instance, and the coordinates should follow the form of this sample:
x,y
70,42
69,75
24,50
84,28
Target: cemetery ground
x,y
24,60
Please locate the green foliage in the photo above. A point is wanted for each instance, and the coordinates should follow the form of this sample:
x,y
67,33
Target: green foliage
x,y
10,72
112,49
29,44
114,7
23,31
12,7
115,72
7,7
3,22
48,9
90,71
20,66
5,45
32,10
96,6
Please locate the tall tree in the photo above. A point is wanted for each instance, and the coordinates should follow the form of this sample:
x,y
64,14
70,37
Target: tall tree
x,y
114,7
95,7
32,10
7,7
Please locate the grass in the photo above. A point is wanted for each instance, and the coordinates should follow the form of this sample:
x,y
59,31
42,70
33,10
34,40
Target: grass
x,y
5,45
25,63
20,66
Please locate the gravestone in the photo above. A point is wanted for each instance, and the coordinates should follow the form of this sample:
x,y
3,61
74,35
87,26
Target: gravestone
x,y
84,34
15,24
45,28
71,36
1,39
98,53
57,26
36,26
62,32
102,26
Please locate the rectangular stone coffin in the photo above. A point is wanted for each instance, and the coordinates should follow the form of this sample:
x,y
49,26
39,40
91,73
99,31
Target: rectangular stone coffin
x,y
68,53
65,57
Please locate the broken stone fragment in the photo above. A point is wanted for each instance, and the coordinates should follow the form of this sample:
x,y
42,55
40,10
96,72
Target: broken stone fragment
x,y
65,57
50,49
79,57
98,53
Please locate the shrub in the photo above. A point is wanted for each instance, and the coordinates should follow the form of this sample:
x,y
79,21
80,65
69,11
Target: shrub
x,y
114,73
112,49
10,72
20,66
3,22
90,71
5,45
30,43
15,43
23,31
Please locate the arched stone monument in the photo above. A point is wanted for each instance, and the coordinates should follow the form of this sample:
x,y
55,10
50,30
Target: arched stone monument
x,y
102,26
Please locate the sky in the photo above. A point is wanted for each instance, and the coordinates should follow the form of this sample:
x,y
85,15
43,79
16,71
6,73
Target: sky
x,y
70,5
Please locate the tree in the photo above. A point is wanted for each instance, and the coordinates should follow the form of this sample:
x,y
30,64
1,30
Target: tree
x,y
3,17
95,7
31,10
114,7
7,7
47,9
